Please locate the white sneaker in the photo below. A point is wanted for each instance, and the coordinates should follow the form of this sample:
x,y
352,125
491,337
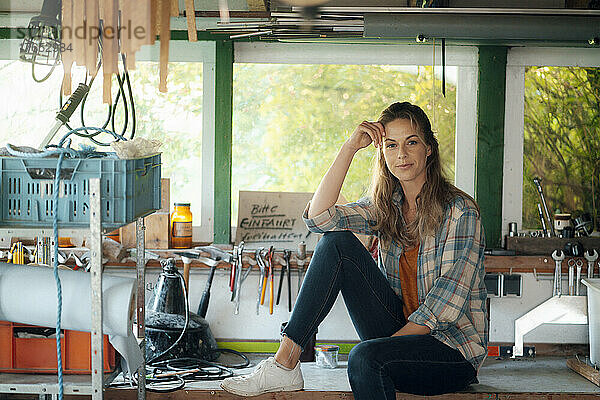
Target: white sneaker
x,y
267,377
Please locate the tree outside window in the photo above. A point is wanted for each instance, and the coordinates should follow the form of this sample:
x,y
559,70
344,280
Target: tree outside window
x,y
562,140
290,120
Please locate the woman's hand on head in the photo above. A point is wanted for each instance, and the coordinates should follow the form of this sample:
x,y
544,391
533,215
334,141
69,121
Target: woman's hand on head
x,y
365,134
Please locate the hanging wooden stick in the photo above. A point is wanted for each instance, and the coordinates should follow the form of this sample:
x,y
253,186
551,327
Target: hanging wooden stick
x,y
165,35
144,14
79,33
110,48
92,34
174,8
191,20
67,55
150,18
127,10
156,7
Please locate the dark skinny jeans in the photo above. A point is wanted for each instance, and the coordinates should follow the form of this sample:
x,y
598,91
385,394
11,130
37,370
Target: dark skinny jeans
x,y
380,364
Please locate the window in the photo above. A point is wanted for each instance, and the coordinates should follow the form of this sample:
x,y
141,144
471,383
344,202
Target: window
x,y
174,118
290,120
551,131
562,140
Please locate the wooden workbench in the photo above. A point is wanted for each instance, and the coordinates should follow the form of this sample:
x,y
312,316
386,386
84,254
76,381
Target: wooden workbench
x,y
546,378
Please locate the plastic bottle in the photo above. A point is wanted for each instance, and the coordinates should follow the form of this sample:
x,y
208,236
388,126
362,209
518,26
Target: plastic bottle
x,y
181,226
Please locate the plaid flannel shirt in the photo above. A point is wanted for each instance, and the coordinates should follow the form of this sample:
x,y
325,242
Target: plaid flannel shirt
x,y
450,271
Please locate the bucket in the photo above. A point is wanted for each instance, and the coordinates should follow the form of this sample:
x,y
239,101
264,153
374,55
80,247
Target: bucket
x,y
593,304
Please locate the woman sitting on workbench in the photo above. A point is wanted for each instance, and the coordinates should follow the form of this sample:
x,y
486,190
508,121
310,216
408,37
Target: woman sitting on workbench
x,y
420,310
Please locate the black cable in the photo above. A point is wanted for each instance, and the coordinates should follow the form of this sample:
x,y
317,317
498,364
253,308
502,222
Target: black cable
x,y
122,80
164,385
125,109
237,353
192,369
164,376
82,114
131,102
133,121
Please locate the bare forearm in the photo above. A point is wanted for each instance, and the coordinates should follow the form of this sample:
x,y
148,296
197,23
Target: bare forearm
x,y
329,189
413,329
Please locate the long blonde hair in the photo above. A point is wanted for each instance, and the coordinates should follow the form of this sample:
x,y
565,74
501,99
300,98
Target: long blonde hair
x,y
435,194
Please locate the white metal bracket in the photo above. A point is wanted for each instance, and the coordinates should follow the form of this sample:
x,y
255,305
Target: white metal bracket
x,y
555,310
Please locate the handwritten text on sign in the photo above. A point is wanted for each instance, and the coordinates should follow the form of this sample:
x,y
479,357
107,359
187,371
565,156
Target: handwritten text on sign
x,y
273,219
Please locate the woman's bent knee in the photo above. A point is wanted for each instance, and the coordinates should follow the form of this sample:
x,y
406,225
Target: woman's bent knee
x,y
360,361
338,236
341,240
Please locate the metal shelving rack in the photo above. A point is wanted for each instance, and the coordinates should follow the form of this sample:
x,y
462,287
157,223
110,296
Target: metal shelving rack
x,y
45,385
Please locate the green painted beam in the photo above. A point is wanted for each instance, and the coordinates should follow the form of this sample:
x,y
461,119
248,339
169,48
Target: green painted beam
x,y
223,140
490,140
271,347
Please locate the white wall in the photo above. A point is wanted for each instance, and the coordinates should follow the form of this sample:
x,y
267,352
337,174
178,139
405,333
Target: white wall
x,y
505,310
247,325
337,326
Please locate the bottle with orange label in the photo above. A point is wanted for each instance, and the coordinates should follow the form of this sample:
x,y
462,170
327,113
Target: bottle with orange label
x,y
181,226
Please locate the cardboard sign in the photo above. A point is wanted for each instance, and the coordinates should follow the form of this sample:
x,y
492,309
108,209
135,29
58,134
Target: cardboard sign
x,y
273,219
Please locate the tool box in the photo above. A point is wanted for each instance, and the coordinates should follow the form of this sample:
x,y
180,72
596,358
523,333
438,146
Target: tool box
x,y
38,354
129,189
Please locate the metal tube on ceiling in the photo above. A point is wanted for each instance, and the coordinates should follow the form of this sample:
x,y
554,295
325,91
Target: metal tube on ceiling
x,y
484,27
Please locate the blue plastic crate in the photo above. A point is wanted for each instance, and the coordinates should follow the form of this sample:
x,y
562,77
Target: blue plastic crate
x,y
129,189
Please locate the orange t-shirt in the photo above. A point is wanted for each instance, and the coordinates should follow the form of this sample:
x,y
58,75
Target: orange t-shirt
x,y
408,280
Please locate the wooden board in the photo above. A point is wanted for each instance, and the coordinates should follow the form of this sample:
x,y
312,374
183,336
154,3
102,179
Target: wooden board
x,y
193,394
545,246
524,264
273,219
165,195
587,371
157,232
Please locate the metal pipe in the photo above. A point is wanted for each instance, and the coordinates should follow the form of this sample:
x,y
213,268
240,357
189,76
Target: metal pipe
x,y
538,185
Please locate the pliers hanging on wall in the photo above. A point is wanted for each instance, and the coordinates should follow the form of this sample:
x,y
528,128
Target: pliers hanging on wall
x,y
262,279
234,282
285,269
241,277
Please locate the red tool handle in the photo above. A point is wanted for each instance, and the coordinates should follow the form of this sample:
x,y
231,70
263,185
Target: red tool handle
x,y
232,277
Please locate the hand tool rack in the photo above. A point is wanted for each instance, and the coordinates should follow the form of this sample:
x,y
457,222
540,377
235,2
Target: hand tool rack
x,y
45,385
